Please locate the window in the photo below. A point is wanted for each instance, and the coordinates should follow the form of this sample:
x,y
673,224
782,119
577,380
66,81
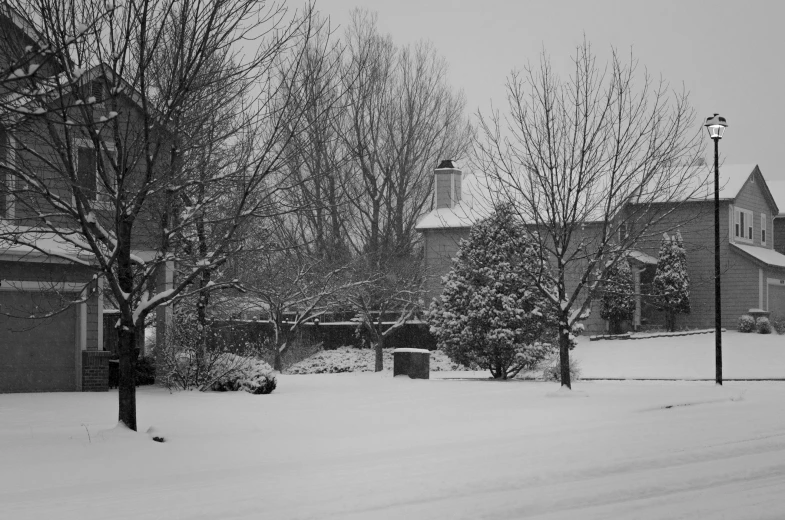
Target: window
x,y
763,229
88,171
622,232
743,225
94,89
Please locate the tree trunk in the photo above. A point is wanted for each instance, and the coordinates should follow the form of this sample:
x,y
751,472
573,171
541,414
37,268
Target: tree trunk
x,y
379,366
280,339
564,352
126,387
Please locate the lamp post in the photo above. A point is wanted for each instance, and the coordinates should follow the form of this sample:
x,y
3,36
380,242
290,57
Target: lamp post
x,y
716,126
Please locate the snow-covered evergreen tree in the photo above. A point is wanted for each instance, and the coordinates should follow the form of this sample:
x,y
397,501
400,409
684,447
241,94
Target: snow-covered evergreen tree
x,y
489,314
671,286
618,296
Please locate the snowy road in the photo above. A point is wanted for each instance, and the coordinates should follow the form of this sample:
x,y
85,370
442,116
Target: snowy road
x,y
370,446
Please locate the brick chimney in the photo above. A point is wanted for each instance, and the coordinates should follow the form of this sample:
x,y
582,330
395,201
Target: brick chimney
x,y
448,184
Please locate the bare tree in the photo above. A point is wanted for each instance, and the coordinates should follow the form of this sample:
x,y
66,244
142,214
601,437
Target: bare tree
x,y
592,163
387,297
110,156
402,118
295,285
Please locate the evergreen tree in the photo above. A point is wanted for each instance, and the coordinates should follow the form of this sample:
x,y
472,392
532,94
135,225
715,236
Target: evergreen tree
x,y
490,315
671,286
618,297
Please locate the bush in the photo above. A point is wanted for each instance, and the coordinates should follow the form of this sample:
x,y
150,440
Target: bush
x,y
552,371
145,371
187,362
351,359
778,324
247,374
763,325
746,323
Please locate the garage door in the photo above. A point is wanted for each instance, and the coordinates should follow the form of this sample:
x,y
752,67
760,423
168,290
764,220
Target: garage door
x,y
36,355
777,301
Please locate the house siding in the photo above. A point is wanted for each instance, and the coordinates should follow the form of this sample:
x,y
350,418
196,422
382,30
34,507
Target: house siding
x,y
779,234
751,197
441,246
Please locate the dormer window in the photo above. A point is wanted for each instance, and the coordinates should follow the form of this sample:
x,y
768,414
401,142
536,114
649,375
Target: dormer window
x,y
94,89
89,179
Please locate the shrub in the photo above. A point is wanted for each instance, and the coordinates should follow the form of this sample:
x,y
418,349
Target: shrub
x,y
763,325
145,371
618,296
746,323
552,371
187,362
247,374
778,324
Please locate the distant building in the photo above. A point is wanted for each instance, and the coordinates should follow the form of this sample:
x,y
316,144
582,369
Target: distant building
x,y
752,231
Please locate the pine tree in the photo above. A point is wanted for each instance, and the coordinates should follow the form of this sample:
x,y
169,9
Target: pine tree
x,y
618,297
489,314
671,286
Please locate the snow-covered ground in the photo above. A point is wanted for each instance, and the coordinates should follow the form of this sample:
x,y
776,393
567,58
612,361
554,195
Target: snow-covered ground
x,y
366,446
744,356
349,359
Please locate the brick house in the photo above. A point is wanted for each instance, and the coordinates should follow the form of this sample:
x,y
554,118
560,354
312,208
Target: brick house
x,y
753,271
47,341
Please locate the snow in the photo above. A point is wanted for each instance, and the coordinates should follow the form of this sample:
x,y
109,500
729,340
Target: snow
x,y
745,356
415,350
765,255
777,189
146,302
368,446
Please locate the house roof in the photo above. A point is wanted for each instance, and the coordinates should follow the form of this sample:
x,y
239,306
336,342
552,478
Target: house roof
x,y
767,256
699,186
36,245
460,216
641,257
777,189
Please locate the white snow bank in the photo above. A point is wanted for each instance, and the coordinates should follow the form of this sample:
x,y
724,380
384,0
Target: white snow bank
x,y
364,446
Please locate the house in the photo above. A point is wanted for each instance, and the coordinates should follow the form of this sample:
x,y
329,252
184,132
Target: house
x,y
51,292
752,260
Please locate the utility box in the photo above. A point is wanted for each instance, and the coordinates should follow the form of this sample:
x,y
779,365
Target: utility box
x,y
412,362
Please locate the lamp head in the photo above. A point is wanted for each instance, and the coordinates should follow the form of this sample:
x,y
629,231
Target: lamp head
x,y
716,126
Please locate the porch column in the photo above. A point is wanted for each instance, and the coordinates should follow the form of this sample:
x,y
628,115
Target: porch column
x,y
636,279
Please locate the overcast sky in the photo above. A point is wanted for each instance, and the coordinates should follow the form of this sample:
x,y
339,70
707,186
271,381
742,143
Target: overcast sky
x,y
730,55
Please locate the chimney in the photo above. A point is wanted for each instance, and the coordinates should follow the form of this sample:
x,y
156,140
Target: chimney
x,y
448,184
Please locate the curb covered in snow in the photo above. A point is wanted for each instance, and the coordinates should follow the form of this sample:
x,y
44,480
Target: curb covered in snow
x,y
654,335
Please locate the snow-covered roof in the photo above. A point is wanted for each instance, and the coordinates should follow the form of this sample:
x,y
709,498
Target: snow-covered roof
x,y
473,207
732,180
765,255
642,257
30,244
460,216
777,189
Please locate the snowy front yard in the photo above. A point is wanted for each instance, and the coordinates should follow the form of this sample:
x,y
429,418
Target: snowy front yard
x,y
744,356
364,445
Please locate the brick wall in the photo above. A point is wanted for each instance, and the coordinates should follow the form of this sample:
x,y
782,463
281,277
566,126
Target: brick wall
x,y
95,371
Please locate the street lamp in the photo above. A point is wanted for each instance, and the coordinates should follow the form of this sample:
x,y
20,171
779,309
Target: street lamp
x,y
716,126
